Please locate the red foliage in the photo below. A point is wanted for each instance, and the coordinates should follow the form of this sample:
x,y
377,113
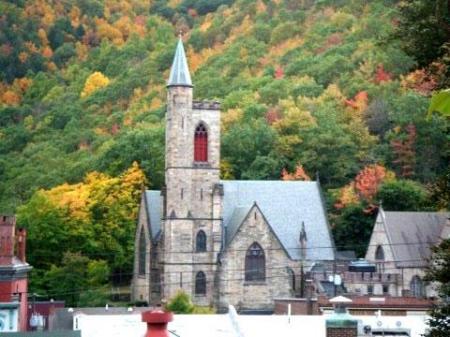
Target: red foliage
x,y
404,151
424,81
381,75
115,128
272,115
279,73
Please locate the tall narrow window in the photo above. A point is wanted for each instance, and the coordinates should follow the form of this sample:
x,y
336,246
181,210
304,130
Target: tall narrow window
x,y
255,263
291,276
200,244
379,253
201,143
379,257
417,287
200,283
142,252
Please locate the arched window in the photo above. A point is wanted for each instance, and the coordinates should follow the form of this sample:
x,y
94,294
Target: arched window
x,y
379,253
142,252
291,276
201,143
255,263
379,257
417,287
200,283
200,242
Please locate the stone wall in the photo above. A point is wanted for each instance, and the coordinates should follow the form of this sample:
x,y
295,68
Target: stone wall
x,y
256,294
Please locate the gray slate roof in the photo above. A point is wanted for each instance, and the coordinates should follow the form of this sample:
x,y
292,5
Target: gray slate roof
x,y
285,205
179,73
411,234
153,201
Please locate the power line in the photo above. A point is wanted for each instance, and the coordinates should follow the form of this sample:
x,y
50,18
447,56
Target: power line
x,y
418,243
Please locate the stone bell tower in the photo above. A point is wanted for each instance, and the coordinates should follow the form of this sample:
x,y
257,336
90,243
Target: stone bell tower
x,y
192,202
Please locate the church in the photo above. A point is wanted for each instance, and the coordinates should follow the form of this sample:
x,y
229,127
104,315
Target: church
x,y
222,242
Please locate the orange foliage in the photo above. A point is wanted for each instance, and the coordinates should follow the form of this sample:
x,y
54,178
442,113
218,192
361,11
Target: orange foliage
x,y
47,52
381,75
22,84
369,179
424,81
359,102
9,97
299,174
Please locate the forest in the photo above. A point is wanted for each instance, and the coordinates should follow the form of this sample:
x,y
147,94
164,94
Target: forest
x,y
335,90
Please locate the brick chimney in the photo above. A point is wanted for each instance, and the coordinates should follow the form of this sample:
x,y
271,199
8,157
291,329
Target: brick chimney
x,y
21,244
157,321
7,226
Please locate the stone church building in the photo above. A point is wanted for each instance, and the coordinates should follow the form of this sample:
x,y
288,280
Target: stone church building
x,y
220,241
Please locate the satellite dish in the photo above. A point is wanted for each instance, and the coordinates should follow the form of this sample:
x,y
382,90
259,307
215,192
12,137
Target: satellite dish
x,y
379,323
398,324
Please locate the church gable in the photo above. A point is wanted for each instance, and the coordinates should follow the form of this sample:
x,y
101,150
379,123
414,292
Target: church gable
x,y
288,207
252,221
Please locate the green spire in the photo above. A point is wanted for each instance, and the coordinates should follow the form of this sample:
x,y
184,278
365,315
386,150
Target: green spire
x,y
179,73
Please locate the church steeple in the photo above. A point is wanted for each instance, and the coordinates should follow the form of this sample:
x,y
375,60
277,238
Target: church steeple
x,y
179,73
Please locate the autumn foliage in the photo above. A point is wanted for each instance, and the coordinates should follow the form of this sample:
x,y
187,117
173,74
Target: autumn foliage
x,y
94,82
298,174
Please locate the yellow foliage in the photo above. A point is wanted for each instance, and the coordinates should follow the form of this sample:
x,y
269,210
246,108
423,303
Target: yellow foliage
x,y
125,26
106,31
28,122
94,82
156,103
206,23
75,16
31,47
230,117
82,51
43,37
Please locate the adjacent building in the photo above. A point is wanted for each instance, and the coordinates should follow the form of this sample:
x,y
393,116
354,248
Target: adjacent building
x,y
13,276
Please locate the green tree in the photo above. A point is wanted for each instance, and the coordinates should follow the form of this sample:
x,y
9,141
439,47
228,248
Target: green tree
x,y
352,229
424,27
180,304
402,195
439,271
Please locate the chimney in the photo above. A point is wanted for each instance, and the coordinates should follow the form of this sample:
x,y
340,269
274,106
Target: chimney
x,y
341,323
21,244
7,225
157,321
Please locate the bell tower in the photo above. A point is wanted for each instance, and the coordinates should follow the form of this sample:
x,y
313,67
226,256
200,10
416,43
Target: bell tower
x,y
192,213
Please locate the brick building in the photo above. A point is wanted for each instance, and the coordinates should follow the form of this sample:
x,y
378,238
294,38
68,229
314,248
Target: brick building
x,y
222,242
13,276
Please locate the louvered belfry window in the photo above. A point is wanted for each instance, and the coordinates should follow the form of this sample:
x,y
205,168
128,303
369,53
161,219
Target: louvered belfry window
x,y
201,143
255,263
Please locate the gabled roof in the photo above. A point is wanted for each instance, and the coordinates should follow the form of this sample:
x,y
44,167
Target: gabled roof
x,y
179,73
411,234
285,205
153,203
